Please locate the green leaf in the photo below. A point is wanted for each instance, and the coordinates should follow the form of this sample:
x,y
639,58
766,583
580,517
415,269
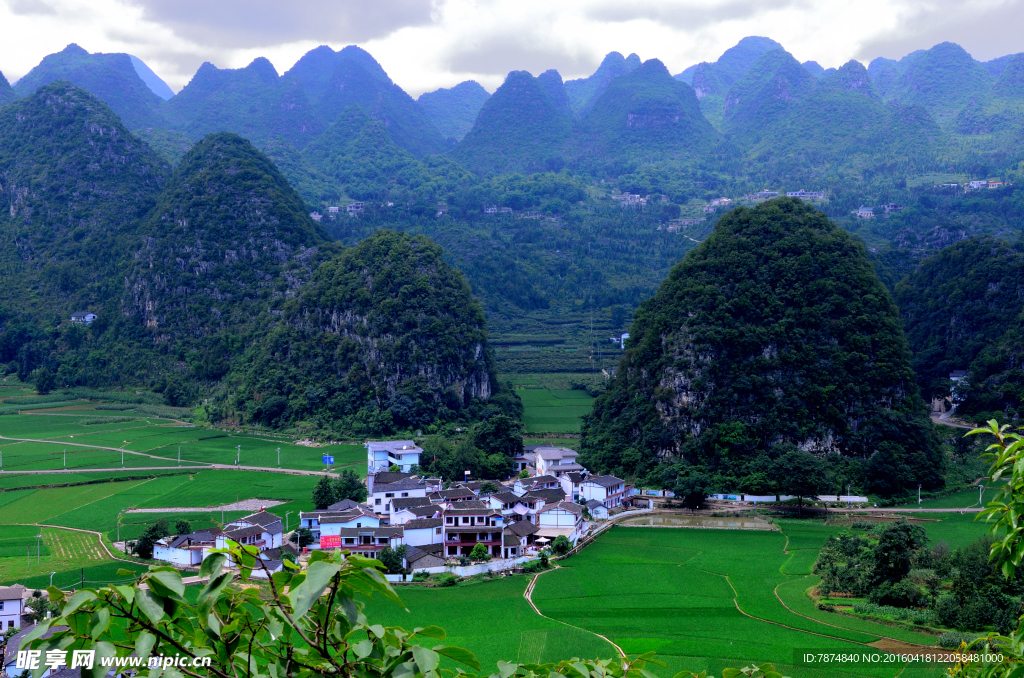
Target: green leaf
x,y
731,673
318,576
363,648
99,622
98,670
144,644
127,592
121,572
426,660
430,632
168,580
505,669
458,654
76,601
151,605
212,565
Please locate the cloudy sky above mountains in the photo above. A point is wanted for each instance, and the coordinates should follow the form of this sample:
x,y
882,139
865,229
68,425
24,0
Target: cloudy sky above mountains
x,y
426,44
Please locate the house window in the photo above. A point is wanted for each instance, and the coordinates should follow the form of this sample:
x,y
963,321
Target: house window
x,y
448,520
437,530
405,494
377,501
465,520
389,495
1,604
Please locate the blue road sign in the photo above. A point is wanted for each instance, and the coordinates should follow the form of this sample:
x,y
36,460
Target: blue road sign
x,y
328,460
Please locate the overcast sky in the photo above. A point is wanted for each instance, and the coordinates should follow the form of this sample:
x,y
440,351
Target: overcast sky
x,y
426,44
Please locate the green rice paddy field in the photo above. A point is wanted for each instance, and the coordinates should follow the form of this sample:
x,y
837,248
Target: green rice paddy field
x,y
553,410
80,439
700,599
96,506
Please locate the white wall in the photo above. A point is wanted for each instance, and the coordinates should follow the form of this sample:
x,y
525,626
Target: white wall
x,y
177,556
423,536
10,615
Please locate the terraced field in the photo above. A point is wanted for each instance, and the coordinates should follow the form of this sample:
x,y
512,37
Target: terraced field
x,y
553,411
95,439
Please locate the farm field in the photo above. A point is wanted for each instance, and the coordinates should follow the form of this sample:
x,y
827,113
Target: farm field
x,y
71,555
473,613
701,599
85,435
96,506
553,410
963,499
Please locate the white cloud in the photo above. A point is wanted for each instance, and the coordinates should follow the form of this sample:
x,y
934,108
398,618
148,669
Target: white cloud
x,y
425,44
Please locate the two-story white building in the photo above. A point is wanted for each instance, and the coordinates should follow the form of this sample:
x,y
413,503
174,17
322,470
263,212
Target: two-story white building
x,y
562,519
469,523
424,531
555,461
570,483
12,604
407,488
608,490
381,455
186,549
263,530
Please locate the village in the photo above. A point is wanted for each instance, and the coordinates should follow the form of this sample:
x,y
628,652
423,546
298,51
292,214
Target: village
x,y
436,524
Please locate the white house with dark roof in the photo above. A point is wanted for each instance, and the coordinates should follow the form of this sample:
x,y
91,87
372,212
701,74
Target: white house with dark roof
x,y
562,519
467,524
263,530
570,483
380,498
83,317
424,531
12,604
332,525
598,511
555,461
404,515
383,454
517,537
348,510
608,490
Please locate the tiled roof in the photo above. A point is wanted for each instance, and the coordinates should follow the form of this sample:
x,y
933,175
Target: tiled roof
x,y
345,518
405,502
522,528
542,480
423,511
385,477
236,533
16,592
508,539
605,481
549,496
263,518
565,505
398,486
575,477
346,504
375,531
423,524
593,504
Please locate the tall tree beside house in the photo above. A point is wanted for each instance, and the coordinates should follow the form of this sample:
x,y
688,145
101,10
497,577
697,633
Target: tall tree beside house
x,y
774,331
323,493
348,485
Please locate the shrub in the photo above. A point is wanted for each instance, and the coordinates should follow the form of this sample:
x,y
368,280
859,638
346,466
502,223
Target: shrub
x,y
952,639
826,607
479,552
896,613
903,593
421,576
446,579
534,566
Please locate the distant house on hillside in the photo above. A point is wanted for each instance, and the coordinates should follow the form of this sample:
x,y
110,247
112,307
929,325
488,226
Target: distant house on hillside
x,y
762,195
354,208
316,216
491,209
721,202
806,195
864,212
332,212
83,317
608,490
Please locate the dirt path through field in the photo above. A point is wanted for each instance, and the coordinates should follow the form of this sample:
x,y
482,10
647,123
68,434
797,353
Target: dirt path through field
x,y
528,594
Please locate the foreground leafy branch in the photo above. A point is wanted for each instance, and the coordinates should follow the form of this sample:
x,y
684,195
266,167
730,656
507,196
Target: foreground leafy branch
x,y
311,624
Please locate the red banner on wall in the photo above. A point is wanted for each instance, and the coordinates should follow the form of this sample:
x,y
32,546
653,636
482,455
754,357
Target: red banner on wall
x,y
330,541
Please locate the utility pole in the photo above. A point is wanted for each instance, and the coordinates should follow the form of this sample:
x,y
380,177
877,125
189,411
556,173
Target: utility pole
x,y
981,493
1,460
122,458
919,495
51,578
278,459
238,456
65,458
39,539
286,519
179,455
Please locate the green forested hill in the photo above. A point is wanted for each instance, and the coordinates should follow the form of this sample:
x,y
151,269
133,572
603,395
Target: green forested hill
x,y
75,184
958,305
584,92
7,94
766,92
943,79
109,77
774,332
334,81
227,239
252,101
385,336
646,113
519,128
454,110
711,81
